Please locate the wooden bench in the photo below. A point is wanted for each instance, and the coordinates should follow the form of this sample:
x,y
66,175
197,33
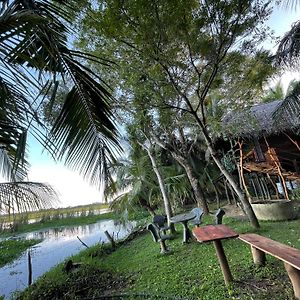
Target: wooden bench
x,y
261,245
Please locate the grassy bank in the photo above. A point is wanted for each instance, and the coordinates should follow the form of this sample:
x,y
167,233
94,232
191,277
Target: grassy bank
x,y
44,213
12,249
82,220
190,272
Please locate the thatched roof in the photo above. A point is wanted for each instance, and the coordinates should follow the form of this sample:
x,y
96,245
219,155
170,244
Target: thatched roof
x,y
259,120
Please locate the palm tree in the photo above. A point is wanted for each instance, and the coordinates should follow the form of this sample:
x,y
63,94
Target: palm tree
x,y
288,55
34,59
134,185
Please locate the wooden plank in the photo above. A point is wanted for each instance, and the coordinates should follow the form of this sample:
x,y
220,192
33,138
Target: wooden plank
x,y
210,233
283,252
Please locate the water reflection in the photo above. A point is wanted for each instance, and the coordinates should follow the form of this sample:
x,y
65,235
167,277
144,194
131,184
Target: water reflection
x,y
57,244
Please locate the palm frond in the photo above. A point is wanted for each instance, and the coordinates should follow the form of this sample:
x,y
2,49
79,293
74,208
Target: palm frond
x,y
289,48
26,196
290,4
33,36
289,109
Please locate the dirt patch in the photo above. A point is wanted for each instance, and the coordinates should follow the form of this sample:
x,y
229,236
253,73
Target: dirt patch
x,y
234,211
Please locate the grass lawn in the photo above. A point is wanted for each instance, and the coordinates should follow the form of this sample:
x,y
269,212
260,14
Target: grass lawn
x,y
136,269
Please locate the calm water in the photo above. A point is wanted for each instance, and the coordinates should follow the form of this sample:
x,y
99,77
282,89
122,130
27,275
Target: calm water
x,y
57,245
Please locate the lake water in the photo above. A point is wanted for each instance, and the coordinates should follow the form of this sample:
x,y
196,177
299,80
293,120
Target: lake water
x,y
57,245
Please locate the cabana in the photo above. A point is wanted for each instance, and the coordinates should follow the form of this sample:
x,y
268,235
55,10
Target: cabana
x,y
264,149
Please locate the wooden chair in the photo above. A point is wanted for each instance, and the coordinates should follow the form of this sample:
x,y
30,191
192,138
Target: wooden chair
x,y
158,238
198,219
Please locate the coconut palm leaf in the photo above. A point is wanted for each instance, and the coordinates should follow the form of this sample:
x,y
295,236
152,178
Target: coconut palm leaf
x,y
289,108
34,48
289,48
24,196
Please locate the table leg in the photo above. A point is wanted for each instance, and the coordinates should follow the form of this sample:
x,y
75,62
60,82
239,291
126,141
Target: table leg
x,y
186,232
223,262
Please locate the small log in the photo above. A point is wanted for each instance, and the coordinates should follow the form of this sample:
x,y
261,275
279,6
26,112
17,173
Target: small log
x,y
110,238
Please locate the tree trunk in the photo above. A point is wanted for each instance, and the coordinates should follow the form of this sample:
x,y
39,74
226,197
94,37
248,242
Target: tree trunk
x,y
245,202
167,204
200,198
143,203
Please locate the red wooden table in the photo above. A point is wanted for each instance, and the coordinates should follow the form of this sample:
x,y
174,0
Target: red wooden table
x,y
216,233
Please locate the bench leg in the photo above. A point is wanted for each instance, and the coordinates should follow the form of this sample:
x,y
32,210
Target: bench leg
x,y
294,275
163,247
259,257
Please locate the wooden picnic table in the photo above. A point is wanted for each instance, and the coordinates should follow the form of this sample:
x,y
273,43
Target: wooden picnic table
x,y
183,219
215,234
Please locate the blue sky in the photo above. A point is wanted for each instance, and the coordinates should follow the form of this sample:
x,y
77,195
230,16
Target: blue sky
x,y
72,188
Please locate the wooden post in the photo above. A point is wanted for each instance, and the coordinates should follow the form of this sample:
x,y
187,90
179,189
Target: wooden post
x,y
261,183
223,262
264,181
259,257
294,275
110,238
29,269
274,186
254,187
275,159
261,193
241,170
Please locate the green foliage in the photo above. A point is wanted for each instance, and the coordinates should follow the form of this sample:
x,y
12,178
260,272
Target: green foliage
x,y
181,64
12,248
275,93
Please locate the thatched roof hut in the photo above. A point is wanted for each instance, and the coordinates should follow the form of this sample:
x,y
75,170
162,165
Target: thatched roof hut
x,y
260,120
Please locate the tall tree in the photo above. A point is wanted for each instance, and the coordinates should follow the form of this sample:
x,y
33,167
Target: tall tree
x,y
189,43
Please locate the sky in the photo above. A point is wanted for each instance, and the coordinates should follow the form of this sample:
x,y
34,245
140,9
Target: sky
x,y
280,22
72,189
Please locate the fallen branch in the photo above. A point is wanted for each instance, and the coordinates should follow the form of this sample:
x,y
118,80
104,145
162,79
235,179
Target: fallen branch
x,y
84,244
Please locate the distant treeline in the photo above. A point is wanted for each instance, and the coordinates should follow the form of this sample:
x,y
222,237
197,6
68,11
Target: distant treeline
x,y
45,215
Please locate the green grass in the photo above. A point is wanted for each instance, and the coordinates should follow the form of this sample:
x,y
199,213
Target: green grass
x,y
12,249
190,272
